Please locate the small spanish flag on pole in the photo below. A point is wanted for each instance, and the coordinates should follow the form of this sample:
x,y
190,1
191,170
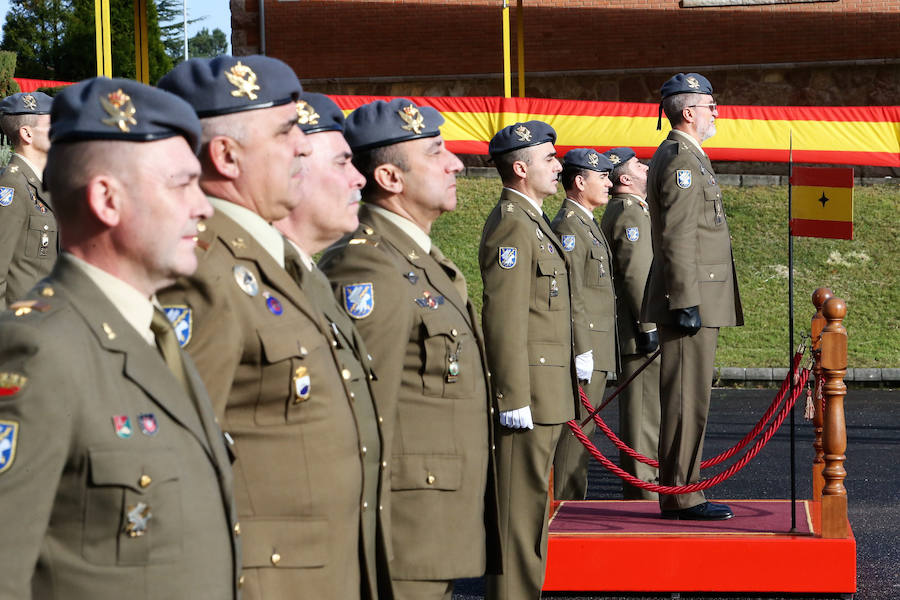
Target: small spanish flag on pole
x,y
822,202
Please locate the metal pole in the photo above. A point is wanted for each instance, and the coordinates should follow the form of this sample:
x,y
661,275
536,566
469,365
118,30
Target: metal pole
x,y
520,39
791,333
184,20
507,77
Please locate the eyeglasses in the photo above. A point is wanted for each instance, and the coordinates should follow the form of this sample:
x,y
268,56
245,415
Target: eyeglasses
x,y
712,107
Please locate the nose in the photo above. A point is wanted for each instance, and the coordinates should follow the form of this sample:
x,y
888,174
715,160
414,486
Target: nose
x,y
202,208
557,166
302,147
357,181
454,165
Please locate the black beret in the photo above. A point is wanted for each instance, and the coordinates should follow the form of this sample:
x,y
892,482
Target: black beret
x,y
587,158
230,84
26,103
692,83
121,109
521,135
619,156
383,123
318,112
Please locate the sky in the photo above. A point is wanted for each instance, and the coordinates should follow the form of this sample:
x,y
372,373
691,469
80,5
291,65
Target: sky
x,y
216,12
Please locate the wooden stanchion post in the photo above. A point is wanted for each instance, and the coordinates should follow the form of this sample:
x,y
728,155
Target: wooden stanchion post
x,y
818,324
834,435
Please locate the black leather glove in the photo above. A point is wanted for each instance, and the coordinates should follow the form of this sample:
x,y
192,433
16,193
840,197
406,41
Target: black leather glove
x,y
647,341
687,319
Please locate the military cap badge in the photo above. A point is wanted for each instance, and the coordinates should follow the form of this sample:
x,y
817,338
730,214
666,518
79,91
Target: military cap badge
x,y
121,110
306,114
614,159
11,383
523,133
593,159
29,102
413,118
244,79
692,83
9,432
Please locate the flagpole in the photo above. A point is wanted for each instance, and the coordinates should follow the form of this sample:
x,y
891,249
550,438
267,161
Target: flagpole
x,y
791,332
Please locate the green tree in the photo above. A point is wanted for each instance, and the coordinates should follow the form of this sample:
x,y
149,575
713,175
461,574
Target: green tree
x,y
206,44
171,19
34,30
8,85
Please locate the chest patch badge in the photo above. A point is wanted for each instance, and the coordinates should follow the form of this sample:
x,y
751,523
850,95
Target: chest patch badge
x,y
359,300
301,384
429,301
246,280
122,426
148,423
508,255
273,304
683,178
6,195
632,233
181,319
568,242
9,434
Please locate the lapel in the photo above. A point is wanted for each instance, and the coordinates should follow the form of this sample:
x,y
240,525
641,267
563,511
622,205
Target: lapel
x,y
507,196
36,188
143,364
243,246
415,256
702,158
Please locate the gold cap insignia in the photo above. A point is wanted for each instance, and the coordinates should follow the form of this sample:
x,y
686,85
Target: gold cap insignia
x,y
692,83
306,114
523,133
12,381
614,159
593,159
414,119
29,102
244,79
120,109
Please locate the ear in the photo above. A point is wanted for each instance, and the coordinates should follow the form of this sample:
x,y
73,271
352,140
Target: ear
x,y
688,113
105,196
224,154
624,179
25,134
389,178
580,183
520,169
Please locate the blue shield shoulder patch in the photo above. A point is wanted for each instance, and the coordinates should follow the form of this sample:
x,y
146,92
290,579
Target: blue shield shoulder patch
x,y
9,434
359,300
683,178
6,195
181,319
508,256
568,242
632,233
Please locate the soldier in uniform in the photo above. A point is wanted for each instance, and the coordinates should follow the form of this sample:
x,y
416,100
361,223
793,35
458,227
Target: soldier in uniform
x,y
411,307
692,290
114,478
28,239
527,318
586,183
262,346
330,194
626,225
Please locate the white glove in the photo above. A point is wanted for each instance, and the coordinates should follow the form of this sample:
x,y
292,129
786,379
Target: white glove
x,y
584,366
519,418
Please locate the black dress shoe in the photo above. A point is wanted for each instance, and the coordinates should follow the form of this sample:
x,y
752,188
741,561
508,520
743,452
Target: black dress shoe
x,y
708,511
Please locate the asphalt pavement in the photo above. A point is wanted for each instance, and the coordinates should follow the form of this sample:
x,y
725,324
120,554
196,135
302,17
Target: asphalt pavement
x,y
873,484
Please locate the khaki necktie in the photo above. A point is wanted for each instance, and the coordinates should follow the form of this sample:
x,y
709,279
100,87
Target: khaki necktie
x,y
169,347
453,272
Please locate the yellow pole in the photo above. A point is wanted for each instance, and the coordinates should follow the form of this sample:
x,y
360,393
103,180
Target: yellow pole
x,y
507,77
104,43
520,38
141,44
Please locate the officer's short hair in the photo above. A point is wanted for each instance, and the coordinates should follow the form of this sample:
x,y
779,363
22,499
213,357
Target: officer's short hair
x,y
504,163
71,166
230,125
616,174
368,160
674,106
568,175
10,125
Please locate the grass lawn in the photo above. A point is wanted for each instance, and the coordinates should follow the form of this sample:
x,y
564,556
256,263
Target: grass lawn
x,y
863,271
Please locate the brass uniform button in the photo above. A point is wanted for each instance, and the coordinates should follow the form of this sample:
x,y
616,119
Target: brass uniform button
x,y
380,419
454,332
363,450
345,373
430,479
591,325
384,464
365,505
276,558
145,480
240,582
542,360
237,528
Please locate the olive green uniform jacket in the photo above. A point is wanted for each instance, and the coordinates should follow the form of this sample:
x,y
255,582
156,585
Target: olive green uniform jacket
x,y
28,235
432,389
266,356
67,490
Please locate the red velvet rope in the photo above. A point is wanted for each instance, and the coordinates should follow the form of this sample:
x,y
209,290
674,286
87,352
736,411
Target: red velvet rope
x,y
706,483
715,460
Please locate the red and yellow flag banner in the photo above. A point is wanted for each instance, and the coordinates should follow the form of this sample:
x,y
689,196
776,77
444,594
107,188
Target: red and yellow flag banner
x,y
851,135
822,203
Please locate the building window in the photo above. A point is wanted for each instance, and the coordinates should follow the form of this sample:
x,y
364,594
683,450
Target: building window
x,y
706,3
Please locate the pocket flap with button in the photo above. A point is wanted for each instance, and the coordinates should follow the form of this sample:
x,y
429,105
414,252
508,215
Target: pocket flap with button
x,y
426,472
556,355
597,252
129,469
716,272
278,347
710,193
436,323
285,542
550,267
42,223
